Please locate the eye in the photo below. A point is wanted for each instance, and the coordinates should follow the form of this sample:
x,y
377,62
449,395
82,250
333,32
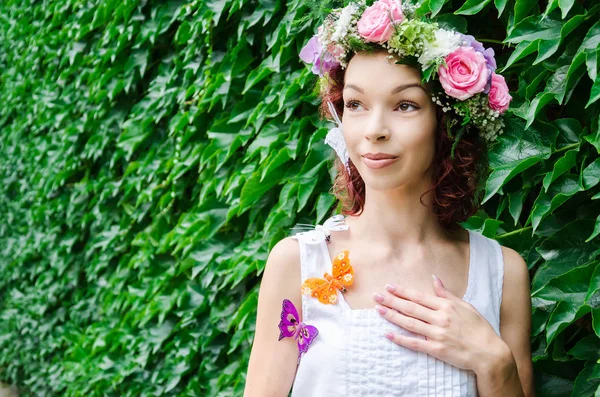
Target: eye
x,y
351,103
403,106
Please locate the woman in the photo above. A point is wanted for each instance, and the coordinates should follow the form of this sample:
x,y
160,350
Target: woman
x,y
390,326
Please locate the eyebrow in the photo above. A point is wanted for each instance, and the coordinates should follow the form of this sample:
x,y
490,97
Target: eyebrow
x,y
394,91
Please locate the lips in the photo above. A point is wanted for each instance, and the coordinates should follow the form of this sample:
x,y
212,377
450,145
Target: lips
x,y
379,156
378,160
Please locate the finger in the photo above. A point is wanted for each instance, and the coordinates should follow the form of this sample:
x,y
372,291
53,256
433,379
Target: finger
x,y
438,286
427,300
406,307
412,343
440,289
409,323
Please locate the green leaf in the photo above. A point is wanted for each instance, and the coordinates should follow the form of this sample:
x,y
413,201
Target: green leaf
x,y
500,5
553,384
254,188
596,321
595,94
563,189
324,203
587,348
591,175
522,49
562,165
584,386
563,251
471,7
570,133
591,62
593,288
304,192
515,203
565,6
132,137
277,159
541,100
534,34
594,139
184,32
569,291
522,8
551,6
590,44
534,27
256,76
435,6
516,152
596,230
451,21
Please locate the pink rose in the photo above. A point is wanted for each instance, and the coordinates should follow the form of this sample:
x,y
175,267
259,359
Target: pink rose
x,y
499,98
466,73
375,25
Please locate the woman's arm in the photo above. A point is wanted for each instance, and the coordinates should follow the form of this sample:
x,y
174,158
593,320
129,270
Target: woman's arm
x,y
514,364
272,365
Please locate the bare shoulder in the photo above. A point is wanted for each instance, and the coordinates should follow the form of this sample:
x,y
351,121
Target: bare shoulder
x,y
286,250
516,274
282,271
284,260
515,315
516,291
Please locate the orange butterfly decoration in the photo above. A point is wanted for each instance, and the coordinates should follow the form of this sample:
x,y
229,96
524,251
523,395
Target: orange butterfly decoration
x,y
326,289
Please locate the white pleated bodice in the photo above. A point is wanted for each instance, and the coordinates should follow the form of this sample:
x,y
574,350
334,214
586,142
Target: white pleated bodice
x,y
351,356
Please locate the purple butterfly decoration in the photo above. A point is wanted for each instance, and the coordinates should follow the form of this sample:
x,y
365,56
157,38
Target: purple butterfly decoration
x,y
291,326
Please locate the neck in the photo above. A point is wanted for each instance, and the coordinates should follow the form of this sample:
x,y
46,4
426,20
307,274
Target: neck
x,y
393,219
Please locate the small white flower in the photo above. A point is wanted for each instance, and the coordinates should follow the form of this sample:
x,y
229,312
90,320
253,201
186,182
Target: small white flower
x,y
306,291
445,42
342,25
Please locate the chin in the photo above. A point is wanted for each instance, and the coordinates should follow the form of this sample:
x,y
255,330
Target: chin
x,y
383,183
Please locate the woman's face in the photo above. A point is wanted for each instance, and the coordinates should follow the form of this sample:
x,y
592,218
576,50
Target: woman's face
x,y
387,111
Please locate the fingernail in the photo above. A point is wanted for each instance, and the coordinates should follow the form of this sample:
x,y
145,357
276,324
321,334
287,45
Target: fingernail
x,y
389,335
436,278
381,309
378,297
390,287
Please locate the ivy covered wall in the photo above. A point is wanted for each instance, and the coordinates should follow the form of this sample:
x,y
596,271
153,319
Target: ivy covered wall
x,y
152,152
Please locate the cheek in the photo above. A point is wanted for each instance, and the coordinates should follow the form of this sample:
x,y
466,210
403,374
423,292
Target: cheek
x,y
353,136
418,149
421,138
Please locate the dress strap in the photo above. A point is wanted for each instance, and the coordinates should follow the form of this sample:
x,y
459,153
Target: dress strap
x,y
486,278
310,244
498,276
313,262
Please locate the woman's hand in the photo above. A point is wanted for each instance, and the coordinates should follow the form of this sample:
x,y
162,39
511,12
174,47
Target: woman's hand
x,y
453,329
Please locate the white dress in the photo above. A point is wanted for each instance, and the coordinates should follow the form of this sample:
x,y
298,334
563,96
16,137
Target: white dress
x,y
351,356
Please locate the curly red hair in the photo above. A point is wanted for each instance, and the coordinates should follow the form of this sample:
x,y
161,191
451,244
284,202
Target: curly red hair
x,y
457,183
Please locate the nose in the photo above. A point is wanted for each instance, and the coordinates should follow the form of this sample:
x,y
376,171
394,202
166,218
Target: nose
x,y
376,128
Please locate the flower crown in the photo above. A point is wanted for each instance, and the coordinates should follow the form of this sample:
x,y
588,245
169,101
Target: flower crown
x,y
470,89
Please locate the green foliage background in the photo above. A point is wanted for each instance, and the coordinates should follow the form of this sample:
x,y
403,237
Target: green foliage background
x,y
152,152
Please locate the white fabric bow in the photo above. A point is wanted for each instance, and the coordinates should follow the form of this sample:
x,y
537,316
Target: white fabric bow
x,y
335,137
317,233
